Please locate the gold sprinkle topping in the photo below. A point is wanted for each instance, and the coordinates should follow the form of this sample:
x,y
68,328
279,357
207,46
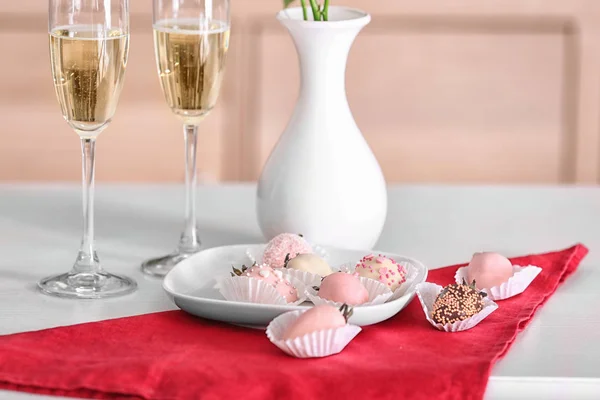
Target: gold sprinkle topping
x,y
456,303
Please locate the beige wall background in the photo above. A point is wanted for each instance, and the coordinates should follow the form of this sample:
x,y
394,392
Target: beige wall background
x,y
445,91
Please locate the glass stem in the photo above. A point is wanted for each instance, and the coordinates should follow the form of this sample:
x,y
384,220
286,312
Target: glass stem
x,y
87,259
189,242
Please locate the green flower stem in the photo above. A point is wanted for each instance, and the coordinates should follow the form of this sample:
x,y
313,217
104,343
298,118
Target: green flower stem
x,y
315,10
326,10
304,13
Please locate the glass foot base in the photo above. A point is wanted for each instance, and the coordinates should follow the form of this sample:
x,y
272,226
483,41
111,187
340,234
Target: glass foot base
x,y
87,285
161,266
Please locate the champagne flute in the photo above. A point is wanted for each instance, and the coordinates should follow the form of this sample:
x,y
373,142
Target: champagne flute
x,y
89,45
191,38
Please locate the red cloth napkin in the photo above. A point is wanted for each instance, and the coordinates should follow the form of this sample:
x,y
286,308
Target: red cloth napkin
x,y
172,355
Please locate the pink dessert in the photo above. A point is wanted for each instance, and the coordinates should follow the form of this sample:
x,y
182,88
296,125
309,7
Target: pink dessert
x,y
282,245
264,273
382,269
318,318
287,290
274,278
489,270
343,288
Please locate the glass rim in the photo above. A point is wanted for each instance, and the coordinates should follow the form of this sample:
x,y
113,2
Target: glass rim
x,y
169,25
122,22
82,27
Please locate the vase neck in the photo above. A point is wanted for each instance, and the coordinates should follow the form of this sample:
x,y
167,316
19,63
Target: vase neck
x,y
323,57
323,49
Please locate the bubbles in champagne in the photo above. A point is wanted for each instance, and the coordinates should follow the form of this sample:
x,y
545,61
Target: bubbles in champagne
x,y
191,62
88,68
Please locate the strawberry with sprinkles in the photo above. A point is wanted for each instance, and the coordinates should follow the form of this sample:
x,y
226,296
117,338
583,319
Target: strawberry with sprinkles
x,y
383,269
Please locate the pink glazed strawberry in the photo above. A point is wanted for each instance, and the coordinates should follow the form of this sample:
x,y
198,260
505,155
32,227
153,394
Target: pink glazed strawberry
x,y
318,318
342,287
268,275
283,244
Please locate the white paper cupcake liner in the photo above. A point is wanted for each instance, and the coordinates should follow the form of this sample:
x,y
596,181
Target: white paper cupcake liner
x,y
516,284
348,267
257,258
251,290
316,344
308,278
428,292
378,294
318,250
407,287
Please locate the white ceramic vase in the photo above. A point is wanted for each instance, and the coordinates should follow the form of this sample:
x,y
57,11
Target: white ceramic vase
x,y
322,179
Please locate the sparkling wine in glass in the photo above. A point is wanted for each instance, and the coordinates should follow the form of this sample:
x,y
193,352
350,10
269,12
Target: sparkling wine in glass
x,y
89,45
191,38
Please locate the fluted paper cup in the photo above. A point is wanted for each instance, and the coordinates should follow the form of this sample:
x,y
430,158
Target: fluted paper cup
x,y
409,284
406,287
378,294
318,250
308,278
428,293
251,290
316,344
516,284
348,267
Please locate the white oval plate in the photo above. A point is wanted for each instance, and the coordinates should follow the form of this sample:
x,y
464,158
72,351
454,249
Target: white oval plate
x,y
191,286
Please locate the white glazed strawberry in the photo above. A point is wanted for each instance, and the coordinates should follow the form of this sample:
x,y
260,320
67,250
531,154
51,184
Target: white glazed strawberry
x,y
382,269
318,318
308,263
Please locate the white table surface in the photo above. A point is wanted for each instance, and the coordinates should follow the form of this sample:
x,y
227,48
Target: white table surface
x,y
556,357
